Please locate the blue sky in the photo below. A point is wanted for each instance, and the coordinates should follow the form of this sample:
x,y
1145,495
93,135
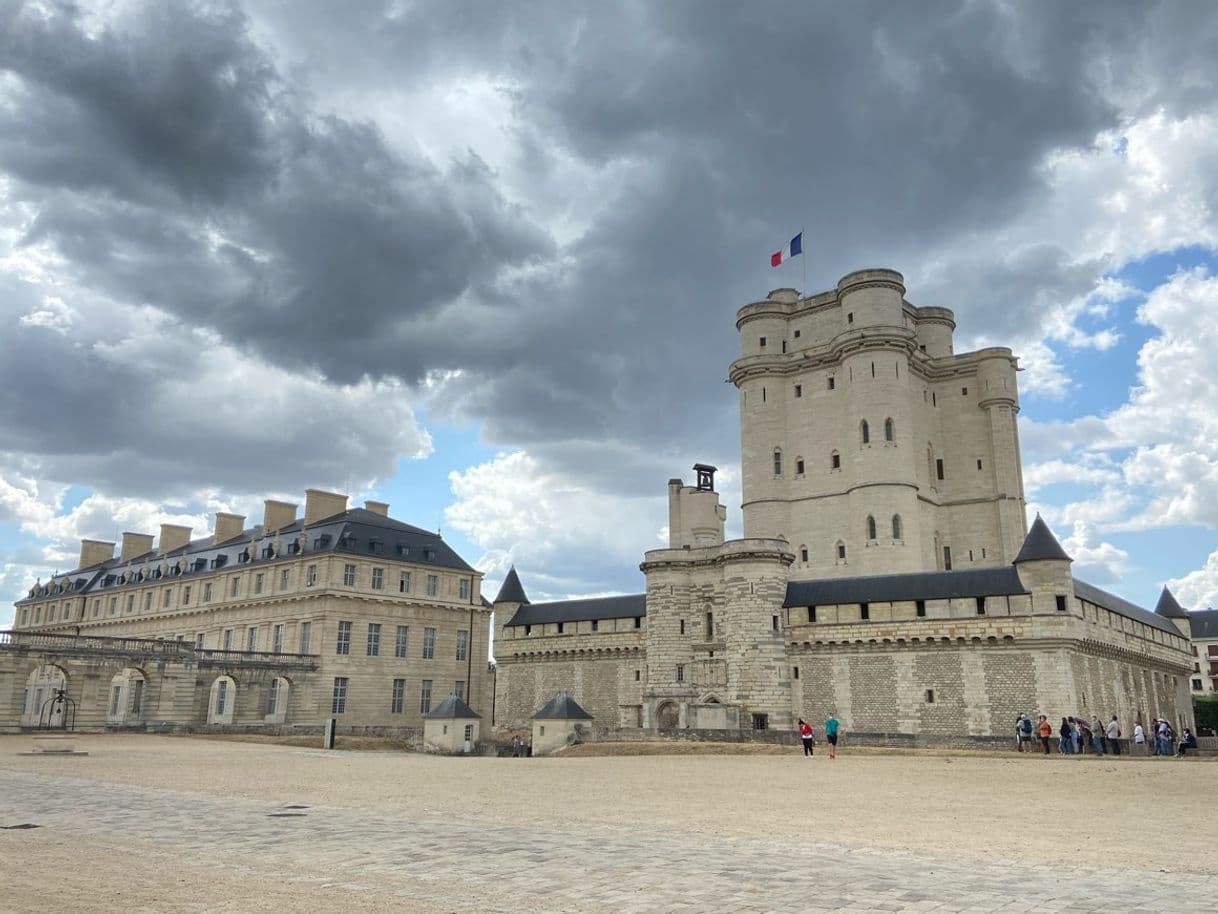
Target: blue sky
x,y
489,275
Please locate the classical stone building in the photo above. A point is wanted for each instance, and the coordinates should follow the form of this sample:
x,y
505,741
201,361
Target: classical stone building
x,y
344,612
887,574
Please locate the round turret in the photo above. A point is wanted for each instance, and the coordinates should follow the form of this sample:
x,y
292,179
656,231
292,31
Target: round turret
x,y
934,328
996,377
872,298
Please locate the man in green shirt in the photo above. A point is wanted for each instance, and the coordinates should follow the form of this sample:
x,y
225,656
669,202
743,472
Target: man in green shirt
x,y
831,727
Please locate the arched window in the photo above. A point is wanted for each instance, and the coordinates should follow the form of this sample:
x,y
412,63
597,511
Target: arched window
x,y
777,462
870,527
890,430
896,526
799,466
865,432
835,461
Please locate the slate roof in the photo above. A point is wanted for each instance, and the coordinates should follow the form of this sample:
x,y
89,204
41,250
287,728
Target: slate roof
x,y
1204,623
1168,608
453,708
357,531
1093,594
562,707
511,591
922,585
621,607
1040,544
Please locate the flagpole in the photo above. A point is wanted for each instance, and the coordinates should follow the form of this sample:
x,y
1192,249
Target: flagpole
x,y
804,291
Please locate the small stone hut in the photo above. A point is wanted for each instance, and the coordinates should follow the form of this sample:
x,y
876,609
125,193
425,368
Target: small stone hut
x,y
561,722
452,728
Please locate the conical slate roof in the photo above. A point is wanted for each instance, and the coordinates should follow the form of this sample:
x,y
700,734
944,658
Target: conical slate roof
x,y
1040,545
452,708
1168,608
511,591
562,707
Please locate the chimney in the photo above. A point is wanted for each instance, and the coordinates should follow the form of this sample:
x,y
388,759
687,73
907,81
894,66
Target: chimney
x,y
134,544
319,505
276,515
377,507
94,552
230,526
173,536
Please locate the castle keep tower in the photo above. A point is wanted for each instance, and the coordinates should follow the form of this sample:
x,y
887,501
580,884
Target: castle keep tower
x,y
867,442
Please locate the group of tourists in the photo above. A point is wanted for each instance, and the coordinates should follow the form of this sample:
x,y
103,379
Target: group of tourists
x,y
1079,735
808,737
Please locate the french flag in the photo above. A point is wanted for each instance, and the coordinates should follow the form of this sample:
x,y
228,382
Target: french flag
x,y
796,246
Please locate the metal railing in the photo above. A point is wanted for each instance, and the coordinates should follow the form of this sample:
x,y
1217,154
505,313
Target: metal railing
x,y
145,647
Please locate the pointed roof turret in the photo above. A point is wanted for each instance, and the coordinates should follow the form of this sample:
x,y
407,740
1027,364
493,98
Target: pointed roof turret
x,y
1168,608
511,591
562,707
453,708
1041,545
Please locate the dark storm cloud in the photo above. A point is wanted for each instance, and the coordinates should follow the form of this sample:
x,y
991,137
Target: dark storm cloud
x,y
175,160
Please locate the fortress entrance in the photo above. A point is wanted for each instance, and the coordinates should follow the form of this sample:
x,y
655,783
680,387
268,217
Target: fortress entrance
x,y
668,717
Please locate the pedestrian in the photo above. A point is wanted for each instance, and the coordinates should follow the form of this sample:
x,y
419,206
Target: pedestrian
x,y
1188,741
1044,731
1025,733
1076,736
1139,738
1113,734
1065,738
805,734
1162,747
831,730
1097,735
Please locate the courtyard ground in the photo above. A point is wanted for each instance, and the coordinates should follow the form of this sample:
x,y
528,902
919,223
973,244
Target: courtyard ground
x,y
166,824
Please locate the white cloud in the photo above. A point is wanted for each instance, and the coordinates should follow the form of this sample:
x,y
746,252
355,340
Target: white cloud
x,y
1198,589
1094,559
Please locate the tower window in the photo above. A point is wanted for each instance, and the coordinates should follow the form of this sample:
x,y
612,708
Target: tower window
x,y
799,466
947,558
1061,603
835,461
803,554
934,399
920,609
939,468
896,526
981,606
964,391
841,551
811,613
797,333
795,673
865,432
890,430
799,391
682,627
979,463
930,696
864,611
873,369
850,318
870,527
784,345
778,463
761,342
832,382
774,623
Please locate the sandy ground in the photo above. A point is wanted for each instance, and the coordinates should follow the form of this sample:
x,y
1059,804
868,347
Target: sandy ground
x,y
1143,814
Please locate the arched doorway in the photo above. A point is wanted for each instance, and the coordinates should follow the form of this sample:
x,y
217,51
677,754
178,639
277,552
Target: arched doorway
x,y
43,684
222,701
668,716
127,694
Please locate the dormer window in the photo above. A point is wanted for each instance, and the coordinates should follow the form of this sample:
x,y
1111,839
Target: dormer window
x,y
429,555
243,556
294,547
268,552
403,550
376,547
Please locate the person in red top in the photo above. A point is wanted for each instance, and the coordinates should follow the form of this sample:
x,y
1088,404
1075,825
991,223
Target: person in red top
x,y
805,733
1044,730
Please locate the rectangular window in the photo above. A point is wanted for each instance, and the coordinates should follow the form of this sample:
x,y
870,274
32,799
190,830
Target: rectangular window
x,y
459,689
284,577
378,578
425,696
832,382
462,644
638,675
1061,603
528,630
930,696
799,391
835,461
773,623
433,585
207,592
349,575
778,463
306,635
130,604
864,611
680,672
311,576
947,558
920,608
338,703
560,628
199,641
469,733
404,582
147,604
374,639
251,638
1196,685
799,467
811,613
980,606
166,599
638,621
258,578
463,589
794,672
681,627
399,641
228,639
939,467
272,697
429,643
277,639
344,638
396,699
221,696
595,624
761,342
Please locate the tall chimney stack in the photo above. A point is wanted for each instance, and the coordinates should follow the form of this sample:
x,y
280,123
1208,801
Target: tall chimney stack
x,y
173,537
230,526
94,552
377,507
135,544
319,505
276,515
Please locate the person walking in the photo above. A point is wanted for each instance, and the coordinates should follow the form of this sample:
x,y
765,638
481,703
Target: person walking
x,y
1162,746
1139,739
1076,736
805,734
1097,735
831,731
1025,733
1113,735
1065,738
1044,730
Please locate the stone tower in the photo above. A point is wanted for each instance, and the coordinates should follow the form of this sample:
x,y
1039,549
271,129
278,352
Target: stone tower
x,y
867,442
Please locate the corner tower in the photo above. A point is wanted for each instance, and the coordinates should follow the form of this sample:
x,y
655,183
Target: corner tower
x,y
867,442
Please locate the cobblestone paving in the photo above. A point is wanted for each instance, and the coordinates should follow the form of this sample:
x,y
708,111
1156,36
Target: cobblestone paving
x,y
468,867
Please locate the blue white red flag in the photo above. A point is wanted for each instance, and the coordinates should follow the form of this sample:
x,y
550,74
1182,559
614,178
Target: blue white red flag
x,y
795,246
